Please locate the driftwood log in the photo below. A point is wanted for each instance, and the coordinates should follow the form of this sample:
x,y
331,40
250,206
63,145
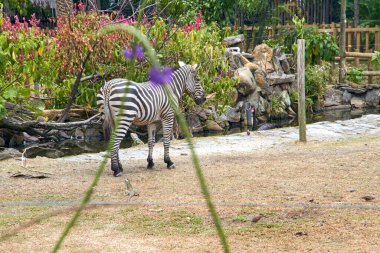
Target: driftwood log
x,y
14,124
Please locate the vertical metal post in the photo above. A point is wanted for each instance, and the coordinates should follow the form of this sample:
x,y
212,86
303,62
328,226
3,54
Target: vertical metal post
x,y
301,89
248,111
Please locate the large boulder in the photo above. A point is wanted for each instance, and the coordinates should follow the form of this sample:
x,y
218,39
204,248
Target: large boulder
x,y
346,97
16,140
194,122
211,125
234,59
263,55
357,102
9,153
263,52
372,97
233,114
252,66
261,77
247,83
285,99
333,97
254,99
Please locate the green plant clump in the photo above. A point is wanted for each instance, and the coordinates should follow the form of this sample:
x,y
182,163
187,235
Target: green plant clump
x,y
316,80
355,75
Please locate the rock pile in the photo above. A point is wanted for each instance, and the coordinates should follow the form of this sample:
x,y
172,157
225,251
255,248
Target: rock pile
x,y
344,96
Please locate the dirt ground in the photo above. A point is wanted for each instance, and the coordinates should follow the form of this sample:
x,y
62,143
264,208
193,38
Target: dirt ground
x,y
309,198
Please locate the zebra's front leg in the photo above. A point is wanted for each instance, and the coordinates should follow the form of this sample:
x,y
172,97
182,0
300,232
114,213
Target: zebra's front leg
x,y
167,125
151,142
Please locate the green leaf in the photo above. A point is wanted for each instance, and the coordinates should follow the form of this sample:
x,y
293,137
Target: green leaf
x,y
10,93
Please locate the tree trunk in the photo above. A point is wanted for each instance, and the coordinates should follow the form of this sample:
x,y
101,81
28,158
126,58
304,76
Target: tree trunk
x,y
342,42
356,13
74,89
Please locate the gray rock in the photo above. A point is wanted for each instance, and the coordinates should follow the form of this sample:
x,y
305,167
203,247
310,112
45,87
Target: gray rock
x,y
346,97
373,86
234,60
16,140
285,99
200,111
261,77
333,97
233,40
264,106
277,90
357,102
356,91
79,133
9,153
29,138
2,142
338,107
194,122
53,153
247,83
341,85
277,65
92,133
63,135
254,99
248,56
277,78
372,98
234,95
213,126
233,114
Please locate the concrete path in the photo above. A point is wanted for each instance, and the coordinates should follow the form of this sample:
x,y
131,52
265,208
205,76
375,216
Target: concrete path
x,y
258,140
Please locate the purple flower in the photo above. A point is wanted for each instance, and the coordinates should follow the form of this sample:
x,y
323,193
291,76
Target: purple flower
x,y
128,54
139,52
160,77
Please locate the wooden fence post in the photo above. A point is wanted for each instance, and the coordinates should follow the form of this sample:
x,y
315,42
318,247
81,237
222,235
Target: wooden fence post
x,y
342,43
301,90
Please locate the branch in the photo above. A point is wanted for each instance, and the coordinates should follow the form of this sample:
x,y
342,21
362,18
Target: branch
x,y
74,90
25,125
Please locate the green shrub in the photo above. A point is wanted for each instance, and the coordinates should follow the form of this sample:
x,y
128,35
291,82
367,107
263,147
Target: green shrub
x,y
316,80
355,75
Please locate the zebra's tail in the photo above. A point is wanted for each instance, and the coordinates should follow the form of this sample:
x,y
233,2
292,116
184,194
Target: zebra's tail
x,y
108,117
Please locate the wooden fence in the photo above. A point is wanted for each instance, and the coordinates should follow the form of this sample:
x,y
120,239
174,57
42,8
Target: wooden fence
x,y
359,39
361,42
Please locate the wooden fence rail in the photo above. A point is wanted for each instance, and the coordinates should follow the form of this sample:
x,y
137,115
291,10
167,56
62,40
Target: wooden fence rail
x,y
359,39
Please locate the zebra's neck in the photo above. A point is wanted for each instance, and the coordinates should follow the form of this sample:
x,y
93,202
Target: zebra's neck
x,y
179,81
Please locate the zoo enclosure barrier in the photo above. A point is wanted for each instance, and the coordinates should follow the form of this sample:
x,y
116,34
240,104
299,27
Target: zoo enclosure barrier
x,y
361,42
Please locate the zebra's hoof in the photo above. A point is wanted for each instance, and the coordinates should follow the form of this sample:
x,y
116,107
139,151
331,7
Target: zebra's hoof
x,y
150,166
117,173
172,166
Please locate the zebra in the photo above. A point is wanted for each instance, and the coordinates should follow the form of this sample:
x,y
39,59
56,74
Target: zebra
x,y
145,104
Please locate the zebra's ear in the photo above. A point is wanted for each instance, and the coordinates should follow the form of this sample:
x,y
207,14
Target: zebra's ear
x,y
181,63
196,67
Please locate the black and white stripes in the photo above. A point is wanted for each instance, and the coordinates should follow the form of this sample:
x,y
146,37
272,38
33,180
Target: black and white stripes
x,y
144,104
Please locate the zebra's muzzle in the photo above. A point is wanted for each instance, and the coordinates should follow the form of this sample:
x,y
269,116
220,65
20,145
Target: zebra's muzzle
x,y
200,100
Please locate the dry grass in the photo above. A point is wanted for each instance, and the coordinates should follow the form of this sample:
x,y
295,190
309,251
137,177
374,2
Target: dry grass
x,y
170,215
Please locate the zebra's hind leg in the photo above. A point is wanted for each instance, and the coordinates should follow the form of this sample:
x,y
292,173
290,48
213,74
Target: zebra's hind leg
x,y
151,142
119,136
167,125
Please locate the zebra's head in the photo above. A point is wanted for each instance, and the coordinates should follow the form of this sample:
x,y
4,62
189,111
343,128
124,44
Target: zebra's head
x,y
193,86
